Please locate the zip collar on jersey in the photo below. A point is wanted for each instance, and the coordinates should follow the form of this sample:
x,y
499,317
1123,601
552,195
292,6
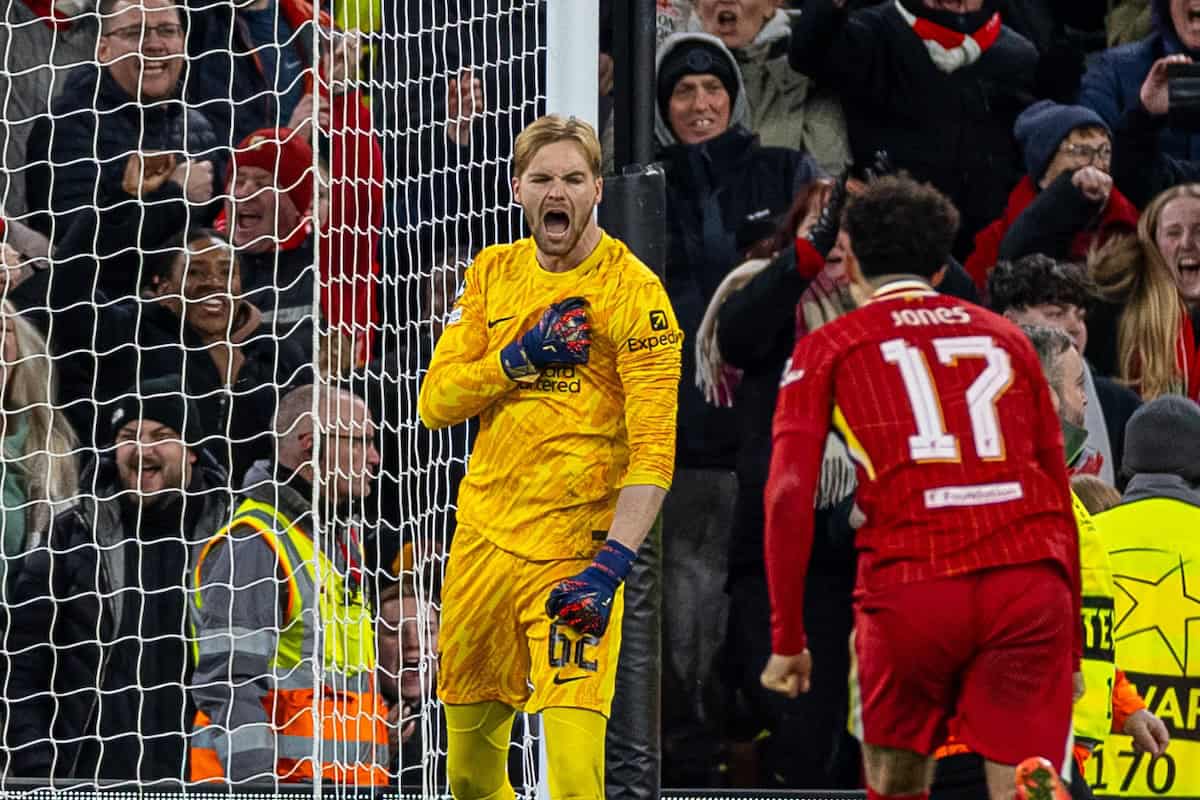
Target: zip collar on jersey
x,y
892,286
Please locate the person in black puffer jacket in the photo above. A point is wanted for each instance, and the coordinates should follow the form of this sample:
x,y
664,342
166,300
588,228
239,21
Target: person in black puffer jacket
x,y
722,186
79,170
944,115
99,656
198,325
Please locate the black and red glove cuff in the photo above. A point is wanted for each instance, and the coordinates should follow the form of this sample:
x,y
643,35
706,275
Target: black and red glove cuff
x,y
809,261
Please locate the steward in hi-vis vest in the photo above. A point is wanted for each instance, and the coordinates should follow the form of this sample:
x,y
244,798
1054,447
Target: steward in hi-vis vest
x,y
1092,714
285,682
1153,540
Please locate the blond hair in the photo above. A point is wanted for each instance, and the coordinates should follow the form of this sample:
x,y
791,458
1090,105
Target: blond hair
x,y
47,464
1132,272
1094,493
555,128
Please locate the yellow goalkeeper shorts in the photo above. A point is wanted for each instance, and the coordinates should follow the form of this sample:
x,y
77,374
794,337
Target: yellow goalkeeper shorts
x,y
497,642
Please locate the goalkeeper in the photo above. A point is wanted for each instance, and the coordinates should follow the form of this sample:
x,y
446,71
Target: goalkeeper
x,y
566,348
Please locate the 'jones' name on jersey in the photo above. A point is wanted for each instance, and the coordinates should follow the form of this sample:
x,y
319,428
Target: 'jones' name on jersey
x,y
956,315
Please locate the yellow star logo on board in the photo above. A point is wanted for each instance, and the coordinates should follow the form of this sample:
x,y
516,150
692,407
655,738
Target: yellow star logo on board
x,y
1159,606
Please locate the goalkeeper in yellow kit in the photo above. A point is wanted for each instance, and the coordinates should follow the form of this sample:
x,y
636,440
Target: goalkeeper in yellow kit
x,y
566,348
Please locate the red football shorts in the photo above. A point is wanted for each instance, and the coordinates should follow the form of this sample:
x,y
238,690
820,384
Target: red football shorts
x,y
985,656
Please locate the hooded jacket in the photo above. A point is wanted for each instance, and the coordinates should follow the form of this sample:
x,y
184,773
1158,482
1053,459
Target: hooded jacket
x,y
1113,83
715,189
788,109
1150,485
68,676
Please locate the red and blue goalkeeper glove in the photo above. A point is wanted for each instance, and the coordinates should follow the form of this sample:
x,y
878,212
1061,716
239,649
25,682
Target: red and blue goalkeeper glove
x,y
562,336
585,601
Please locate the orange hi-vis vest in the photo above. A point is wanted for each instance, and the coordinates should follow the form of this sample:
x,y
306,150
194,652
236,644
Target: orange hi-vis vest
x,y
332,717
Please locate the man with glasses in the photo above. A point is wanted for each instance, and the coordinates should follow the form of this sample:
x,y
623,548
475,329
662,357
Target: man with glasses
x,y
1066,202
110,125
279,612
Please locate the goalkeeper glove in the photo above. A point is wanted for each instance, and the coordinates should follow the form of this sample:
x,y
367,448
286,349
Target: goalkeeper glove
x,y
585,601
881,166
823,234
562,336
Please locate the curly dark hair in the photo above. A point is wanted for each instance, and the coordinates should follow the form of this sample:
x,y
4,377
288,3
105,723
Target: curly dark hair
x,y
902,226
1036,279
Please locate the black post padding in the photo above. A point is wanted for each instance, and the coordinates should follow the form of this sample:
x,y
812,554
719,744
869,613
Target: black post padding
x,y
633,751
634,211
633,25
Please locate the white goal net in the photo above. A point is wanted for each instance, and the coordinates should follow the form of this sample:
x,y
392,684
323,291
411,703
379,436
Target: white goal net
x,y
231,233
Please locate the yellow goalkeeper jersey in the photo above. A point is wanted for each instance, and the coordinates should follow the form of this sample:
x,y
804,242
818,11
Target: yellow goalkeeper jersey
x,y
551,456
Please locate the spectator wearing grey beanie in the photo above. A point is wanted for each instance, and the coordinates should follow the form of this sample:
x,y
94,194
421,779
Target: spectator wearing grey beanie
x,y
1153,549
1162,450
722,185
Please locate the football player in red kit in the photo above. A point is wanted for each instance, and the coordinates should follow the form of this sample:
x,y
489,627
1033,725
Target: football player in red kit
x,y
967,599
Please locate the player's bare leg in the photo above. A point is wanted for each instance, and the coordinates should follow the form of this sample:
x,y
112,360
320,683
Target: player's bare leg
x,y
898,773
1001,780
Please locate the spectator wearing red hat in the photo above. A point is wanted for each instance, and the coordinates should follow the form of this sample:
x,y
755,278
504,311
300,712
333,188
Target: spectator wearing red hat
x,y
269,212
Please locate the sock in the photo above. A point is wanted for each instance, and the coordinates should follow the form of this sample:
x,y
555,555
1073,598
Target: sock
x,y
477,738
575,752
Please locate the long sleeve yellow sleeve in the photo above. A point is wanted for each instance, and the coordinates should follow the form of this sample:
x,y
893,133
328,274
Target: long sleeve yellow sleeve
x,y
551,456
465,375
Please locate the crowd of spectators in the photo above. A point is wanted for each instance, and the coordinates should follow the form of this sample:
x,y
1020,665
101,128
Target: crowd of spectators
x,y
185,182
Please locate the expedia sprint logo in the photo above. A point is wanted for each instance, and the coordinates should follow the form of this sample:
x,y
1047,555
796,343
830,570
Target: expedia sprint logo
x,y
659,321
652,342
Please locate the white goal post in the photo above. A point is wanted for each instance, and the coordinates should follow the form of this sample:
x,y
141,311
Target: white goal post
x,y
250,196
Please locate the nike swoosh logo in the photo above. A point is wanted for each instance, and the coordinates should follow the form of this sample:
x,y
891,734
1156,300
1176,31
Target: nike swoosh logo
x,y
559,680
791,376
494,322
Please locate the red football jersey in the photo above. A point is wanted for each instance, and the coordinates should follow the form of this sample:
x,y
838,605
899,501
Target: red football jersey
x,y
944,408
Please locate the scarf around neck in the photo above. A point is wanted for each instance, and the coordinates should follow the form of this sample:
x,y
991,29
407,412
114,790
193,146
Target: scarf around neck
x,y
950,49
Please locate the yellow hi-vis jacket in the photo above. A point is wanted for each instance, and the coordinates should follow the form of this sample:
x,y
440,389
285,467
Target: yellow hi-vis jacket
x,y
1154,548
335,721
1092,715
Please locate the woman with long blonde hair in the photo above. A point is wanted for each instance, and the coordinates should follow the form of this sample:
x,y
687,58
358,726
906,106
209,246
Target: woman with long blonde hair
x,y
39,468
1142,330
